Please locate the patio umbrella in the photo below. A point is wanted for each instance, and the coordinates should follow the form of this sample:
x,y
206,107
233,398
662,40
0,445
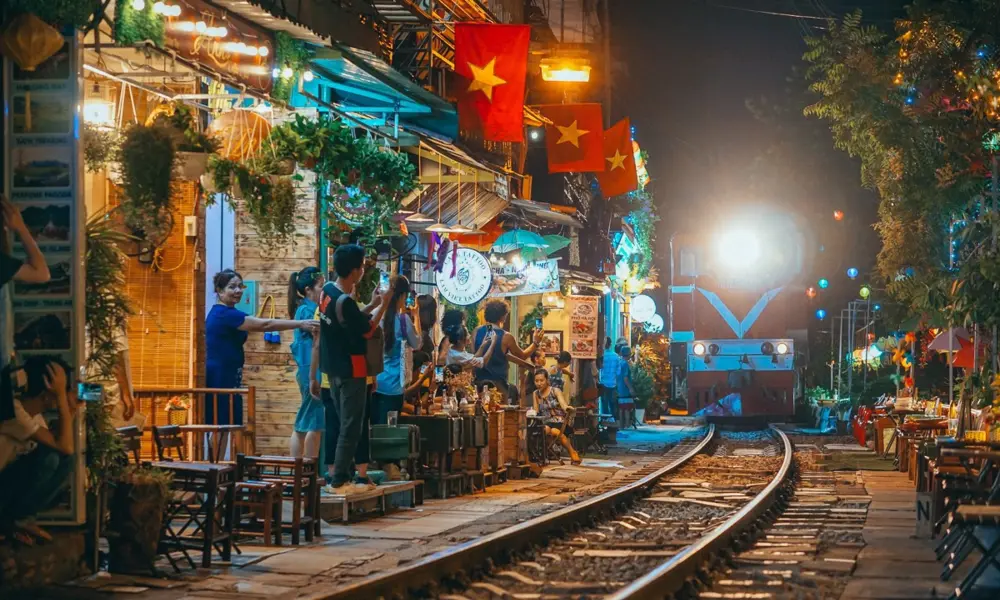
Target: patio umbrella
x,y
950,340
516,239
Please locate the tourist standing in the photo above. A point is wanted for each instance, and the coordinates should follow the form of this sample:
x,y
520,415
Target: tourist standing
x,y
226,330
398,330
496,368
344,331
610,367
450,321
304,290
560,371
427,315
458,337
626,392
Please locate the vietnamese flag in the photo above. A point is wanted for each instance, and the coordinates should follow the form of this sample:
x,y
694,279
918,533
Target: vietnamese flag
x,y
619,176
575,138
492,63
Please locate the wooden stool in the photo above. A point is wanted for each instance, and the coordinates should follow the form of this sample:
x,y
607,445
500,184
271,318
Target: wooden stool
x,y
259,502
299,480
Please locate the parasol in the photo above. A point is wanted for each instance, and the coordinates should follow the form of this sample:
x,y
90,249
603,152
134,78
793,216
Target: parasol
x,y
516,239
964,357
950,340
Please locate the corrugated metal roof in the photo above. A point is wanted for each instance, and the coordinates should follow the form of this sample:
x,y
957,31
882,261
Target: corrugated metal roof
x,y
479,204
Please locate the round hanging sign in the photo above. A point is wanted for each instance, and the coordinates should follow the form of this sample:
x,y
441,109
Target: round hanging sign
x,y
472,281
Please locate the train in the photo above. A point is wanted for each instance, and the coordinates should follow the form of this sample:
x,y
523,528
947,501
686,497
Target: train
x,y
738,316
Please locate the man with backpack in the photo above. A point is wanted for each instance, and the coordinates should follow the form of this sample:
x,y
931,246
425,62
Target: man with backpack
x,y
344,333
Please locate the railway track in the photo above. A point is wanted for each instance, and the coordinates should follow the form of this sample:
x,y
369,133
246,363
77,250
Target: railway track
x,y
646,538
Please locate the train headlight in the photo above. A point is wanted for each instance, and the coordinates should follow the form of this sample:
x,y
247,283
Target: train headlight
x,y
713,349
767,348
782,348
698,349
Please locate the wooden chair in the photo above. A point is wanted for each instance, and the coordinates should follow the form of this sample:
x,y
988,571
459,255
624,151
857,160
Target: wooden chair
x,y
258,510
132,440
167,438
299,481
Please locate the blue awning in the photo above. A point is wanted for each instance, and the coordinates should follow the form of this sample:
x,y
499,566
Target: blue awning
x,y
359,82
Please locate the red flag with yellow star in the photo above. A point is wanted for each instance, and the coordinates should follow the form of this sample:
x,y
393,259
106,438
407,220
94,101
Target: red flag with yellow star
x,y
491,62
575,138
620,175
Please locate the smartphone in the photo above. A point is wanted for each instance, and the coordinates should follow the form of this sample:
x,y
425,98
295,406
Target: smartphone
x,y
538,323
439,374
411,301
89,392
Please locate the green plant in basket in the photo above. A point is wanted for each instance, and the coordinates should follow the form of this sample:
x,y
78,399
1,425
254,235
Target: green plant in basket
x,y
100,146
148,158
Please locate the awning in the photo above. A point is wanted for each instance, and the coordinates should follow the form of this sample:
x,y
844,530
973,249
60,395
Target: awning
x,y
325,20
361,82
479,205
530,210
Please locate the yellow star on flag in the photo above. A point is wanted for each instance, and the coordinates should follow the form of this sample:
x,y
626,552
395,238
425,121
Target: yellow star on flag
x,y
483,78
570,134
617,161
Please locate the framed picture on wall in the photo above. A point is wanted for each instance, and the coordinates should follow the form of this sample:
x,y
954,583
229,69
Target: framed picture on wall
x,y
552,342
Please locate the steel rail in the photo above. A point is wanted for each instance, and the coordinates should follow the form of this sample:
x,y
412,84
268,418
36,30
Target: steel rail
x,y
671,576
475,553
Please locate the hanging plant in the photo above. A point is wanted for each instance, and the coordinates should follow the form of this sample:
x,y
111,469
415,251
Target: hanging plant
x,y
193,144
134,26
268,200
291,59
100,146
148,158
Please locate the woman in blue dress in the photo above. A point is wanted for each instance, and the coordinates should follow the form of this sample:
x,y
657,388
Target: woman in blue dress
x,y
226,329
304,290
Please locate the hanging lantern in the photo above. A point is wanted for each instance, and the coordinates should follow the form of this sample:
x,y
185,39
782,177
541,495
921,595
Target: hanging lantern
x,y
820,314
864,292
838,215
823,283
811,292
240,132
852,273
30,41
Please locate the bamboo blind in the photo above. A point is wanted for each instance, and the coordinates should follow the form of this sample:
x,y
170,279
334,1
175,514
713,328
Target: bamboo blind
x,y
270,368
160,333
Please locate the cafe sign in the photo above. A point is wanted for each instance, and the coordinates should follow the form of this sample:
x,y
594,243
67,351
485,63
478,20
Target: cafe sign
x,y
472,281
239,50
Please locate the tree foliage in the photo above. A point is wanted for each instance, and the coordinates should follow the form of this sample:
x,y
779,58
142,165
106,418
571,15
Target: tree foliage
x,y
915,107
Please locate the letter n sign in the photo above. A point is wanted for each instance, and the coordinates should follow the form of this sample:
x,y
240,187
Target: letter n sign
x,y
925,522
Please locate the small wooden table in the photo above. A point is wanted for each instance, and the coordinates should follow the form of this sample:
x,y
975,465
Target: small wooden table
x,y
216,485
215,434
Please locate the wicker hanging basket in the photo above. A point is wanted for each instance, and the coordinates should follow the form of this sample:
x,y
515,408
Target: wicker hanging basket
x,y
240,132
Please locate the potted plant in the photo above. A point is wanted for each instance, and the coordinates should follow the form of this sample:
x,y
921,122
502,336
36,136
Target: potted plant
x,y
148,158
194,146
137,505
99,146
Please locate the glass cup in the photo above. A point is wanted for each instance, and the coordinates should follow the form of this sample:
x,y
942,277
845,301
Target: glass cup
x,y
392,417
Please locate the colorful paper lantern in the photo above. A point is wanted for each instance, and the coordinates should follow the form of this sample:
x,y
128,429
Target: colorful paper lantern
x,y
852,273
810,292
820,314
864,292
838,215
240,132
823,284
30,41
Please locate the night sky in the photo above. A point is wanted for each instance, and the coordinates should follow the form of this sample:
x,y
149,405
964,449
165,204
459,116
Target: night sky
x,y
690,66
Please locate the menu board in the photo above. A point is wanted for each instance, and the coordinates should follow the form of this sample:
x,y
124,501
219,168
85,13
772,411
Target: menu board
x,y
42,179
583,314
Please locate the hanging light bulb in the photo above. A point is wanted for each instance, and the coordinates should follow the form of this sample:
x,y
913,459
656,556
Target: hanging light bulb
x,y
307,75
864,292
138,4
287,72
263,50
275,72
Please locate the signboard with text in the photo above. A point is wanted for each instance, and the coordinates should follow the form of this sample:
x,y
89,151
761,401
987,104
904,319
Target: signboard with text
x,y
224,42
42,178
583,314
536,277
472,278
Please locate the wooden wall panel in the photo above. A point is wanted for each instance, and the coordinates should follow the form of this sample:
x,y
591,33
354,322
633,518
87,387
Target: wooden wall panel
x,y
270,367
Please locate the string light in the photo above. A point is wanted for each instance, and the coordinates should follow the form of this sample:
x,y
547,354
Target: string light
x,y
287,72
138,4
307,76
